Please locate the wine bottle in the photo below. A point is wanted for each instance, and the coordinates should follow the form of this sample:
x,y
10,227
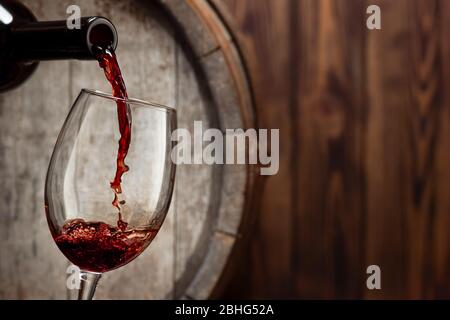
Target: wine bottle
x,y
24,41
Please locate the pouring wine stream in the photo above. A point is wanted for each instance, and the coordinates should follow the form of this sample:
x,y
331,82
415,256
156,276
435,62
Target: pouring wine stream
x,y
108,62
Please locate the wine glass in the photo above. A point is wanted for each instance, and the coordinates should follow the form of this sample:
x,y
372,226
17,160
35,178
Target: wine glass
x,y
90,231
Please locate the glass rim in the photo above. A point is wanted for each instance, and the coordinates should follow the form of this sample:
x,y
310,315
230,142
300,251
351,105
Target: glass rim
x,y
129,100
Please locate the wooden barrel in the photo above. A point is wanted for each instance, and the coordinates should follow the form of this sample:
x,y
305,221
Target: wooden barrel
x,y
178,53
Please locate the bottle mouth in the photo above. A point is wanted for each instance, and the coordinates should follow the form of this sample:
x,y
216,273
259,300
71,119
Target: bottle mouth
x,y
101,33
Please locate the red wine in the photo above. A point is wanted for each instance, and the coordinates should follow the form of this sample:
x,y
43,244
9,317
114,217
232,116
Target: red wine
x,y
99,247
108,62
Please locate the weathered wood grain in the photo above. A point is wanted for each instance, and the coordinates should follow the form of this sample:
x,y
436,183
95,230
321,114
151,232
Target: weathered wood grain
x,y
262,30
201,38
223,74
423,114
195,216
330,159
207,276
368,176
441,223
386,147
411,146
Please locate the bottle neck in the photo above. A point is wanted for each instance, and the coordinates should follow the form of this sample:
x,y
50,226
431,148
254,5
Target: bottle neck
x,y
24,41
53,40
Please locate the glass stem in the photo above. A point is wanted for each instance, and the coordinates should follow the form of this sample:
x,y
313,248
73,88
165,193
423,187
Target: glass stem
x,y
88,284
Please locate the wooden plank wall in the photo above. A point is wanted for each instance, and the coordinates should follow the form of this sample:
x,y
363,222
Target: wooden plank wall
x,y
365,147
